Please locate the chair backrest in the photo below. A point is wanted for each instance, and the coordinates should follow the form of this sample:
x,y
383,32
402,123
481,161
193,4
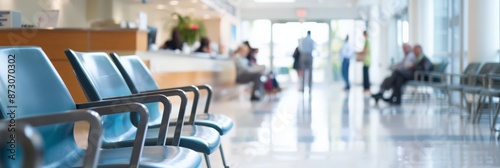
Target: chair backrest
x,y
135,72
485,69
472,68
101,79
37,89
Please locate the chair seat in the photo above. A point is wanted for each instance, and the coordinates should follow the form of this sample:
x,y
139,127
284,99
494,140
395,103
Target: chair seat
x,y
221,123
440,85
471,89
455,87
490,92
416,83
152,157
198,138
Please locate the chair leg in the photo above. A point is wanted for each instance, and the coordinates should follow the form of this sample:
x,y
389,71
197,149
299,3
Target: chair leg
x,y
207,160
480,107
495,117
223,157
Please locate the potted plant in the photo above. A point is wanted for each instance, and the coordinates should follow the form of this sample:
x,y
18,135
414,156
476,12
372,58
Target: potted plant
x,y
191,30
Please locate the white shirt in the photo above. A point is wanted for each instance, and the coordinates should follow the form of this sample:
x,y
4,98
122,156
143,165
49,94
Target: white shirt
x,y
242,65
347,51
408,60
307,45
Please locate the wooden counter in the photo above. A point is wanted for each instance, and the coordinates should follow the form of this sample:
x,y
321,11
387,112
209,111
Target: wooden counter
x,y
172,70
55,41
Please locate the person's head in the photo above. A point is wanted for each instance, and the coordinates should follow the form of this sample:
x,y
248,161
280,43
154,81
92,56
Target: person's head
x,y
346,38
246,43
242,51
204,45
417,50
365,33
309,33
176,38
406,48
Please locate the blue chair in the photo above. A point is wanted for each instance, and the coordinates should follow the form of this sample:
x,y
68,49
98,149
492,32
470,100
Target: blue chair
x,y
140,80
25,136
43,101
101,80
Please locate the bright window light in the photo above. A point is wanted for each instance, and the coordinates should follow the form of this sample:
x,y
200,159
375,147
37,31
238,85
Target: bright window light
x,y
406,32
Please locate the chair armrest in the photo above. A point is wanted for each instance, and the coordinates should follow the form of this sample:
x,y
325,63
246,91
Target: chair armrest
x,y
477,76
95,132
420,74
492,77
440,75
29,138
142,127
102,108
182,109
209,96
196,98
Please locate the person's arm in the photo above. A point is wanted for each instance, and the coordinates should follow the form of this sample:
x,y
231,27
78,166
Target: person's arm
x,y
427,65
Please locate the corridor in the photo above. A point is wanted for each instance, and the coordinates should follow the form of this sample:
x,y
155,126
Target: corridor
x,y
342,129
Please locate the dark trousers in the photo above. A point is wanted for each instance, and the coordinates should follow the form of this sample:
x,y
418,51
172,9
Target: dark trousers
x,y
366,78
251,77
345,72
399,79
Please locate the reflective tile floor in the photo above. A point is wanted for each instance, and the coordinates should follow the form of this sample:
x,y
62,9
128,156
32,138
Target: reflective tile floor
x,y
345,129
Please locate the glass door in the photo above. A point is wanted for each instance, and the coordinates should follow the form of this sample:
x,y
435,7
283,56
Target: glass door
x,y
285,38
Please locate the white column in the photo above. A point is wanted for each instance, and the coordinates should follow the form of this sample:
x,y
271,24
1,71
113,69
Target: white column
x,y
484,30
421,22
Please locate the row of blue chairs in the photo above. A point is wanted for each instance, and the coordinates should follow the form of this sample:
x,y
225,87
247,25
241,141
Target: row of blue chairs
x,y
127,128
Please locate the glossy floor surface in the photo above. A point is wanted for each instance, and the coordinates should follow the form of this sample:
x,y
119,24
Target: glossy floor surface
x,y
333,128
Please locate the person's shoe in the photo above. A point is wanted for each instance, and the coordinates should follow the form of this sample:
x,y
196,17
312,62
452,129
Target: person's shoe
x,y
377,97
254,98
395,103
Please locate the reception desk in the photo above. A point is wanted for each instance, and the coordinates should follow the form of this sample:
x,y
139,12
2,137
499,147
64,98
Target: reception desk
x,y
55,41
173,69
168,68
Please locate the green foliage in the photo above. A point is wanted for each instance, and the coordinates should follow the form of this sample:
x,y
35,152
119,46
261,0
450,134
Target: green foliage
x,y
191,30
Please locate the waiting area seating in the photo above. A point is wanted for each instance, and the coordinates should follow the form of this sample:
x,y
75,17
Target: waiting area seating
x,y
478,86
127,126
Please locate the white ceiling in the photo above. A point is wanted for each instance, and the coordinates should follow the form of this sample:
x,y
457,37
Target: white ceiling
x,y
315,9
194,8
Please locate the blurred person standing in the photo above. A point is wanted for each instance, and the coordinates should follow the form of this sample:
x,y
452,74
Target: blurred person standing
x,y
306,48
365,57
346,53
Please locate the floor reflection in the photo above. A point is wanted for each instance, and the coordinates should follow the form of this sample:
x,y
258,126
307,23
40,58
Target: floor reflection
x,y
335,128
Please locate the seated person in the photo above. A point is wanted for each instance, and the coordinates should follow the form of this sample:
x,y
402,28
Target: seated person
x,y
204,46
246,74
175,43
251,55
407,62
401,76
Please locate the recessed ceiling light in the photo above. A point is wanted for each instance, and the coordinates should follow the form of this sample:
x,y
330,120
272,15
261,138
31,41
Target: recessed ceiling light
x,y
194,1
160,7
174,2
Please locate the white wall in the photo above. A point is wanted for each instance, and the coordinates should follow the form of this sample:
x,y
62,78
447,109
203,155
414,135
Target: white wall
x,y
72,13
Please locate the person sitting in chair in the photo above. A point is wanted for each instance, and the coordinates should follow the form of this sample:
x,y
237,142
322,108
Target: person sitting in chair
x,y
246,74
403,75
